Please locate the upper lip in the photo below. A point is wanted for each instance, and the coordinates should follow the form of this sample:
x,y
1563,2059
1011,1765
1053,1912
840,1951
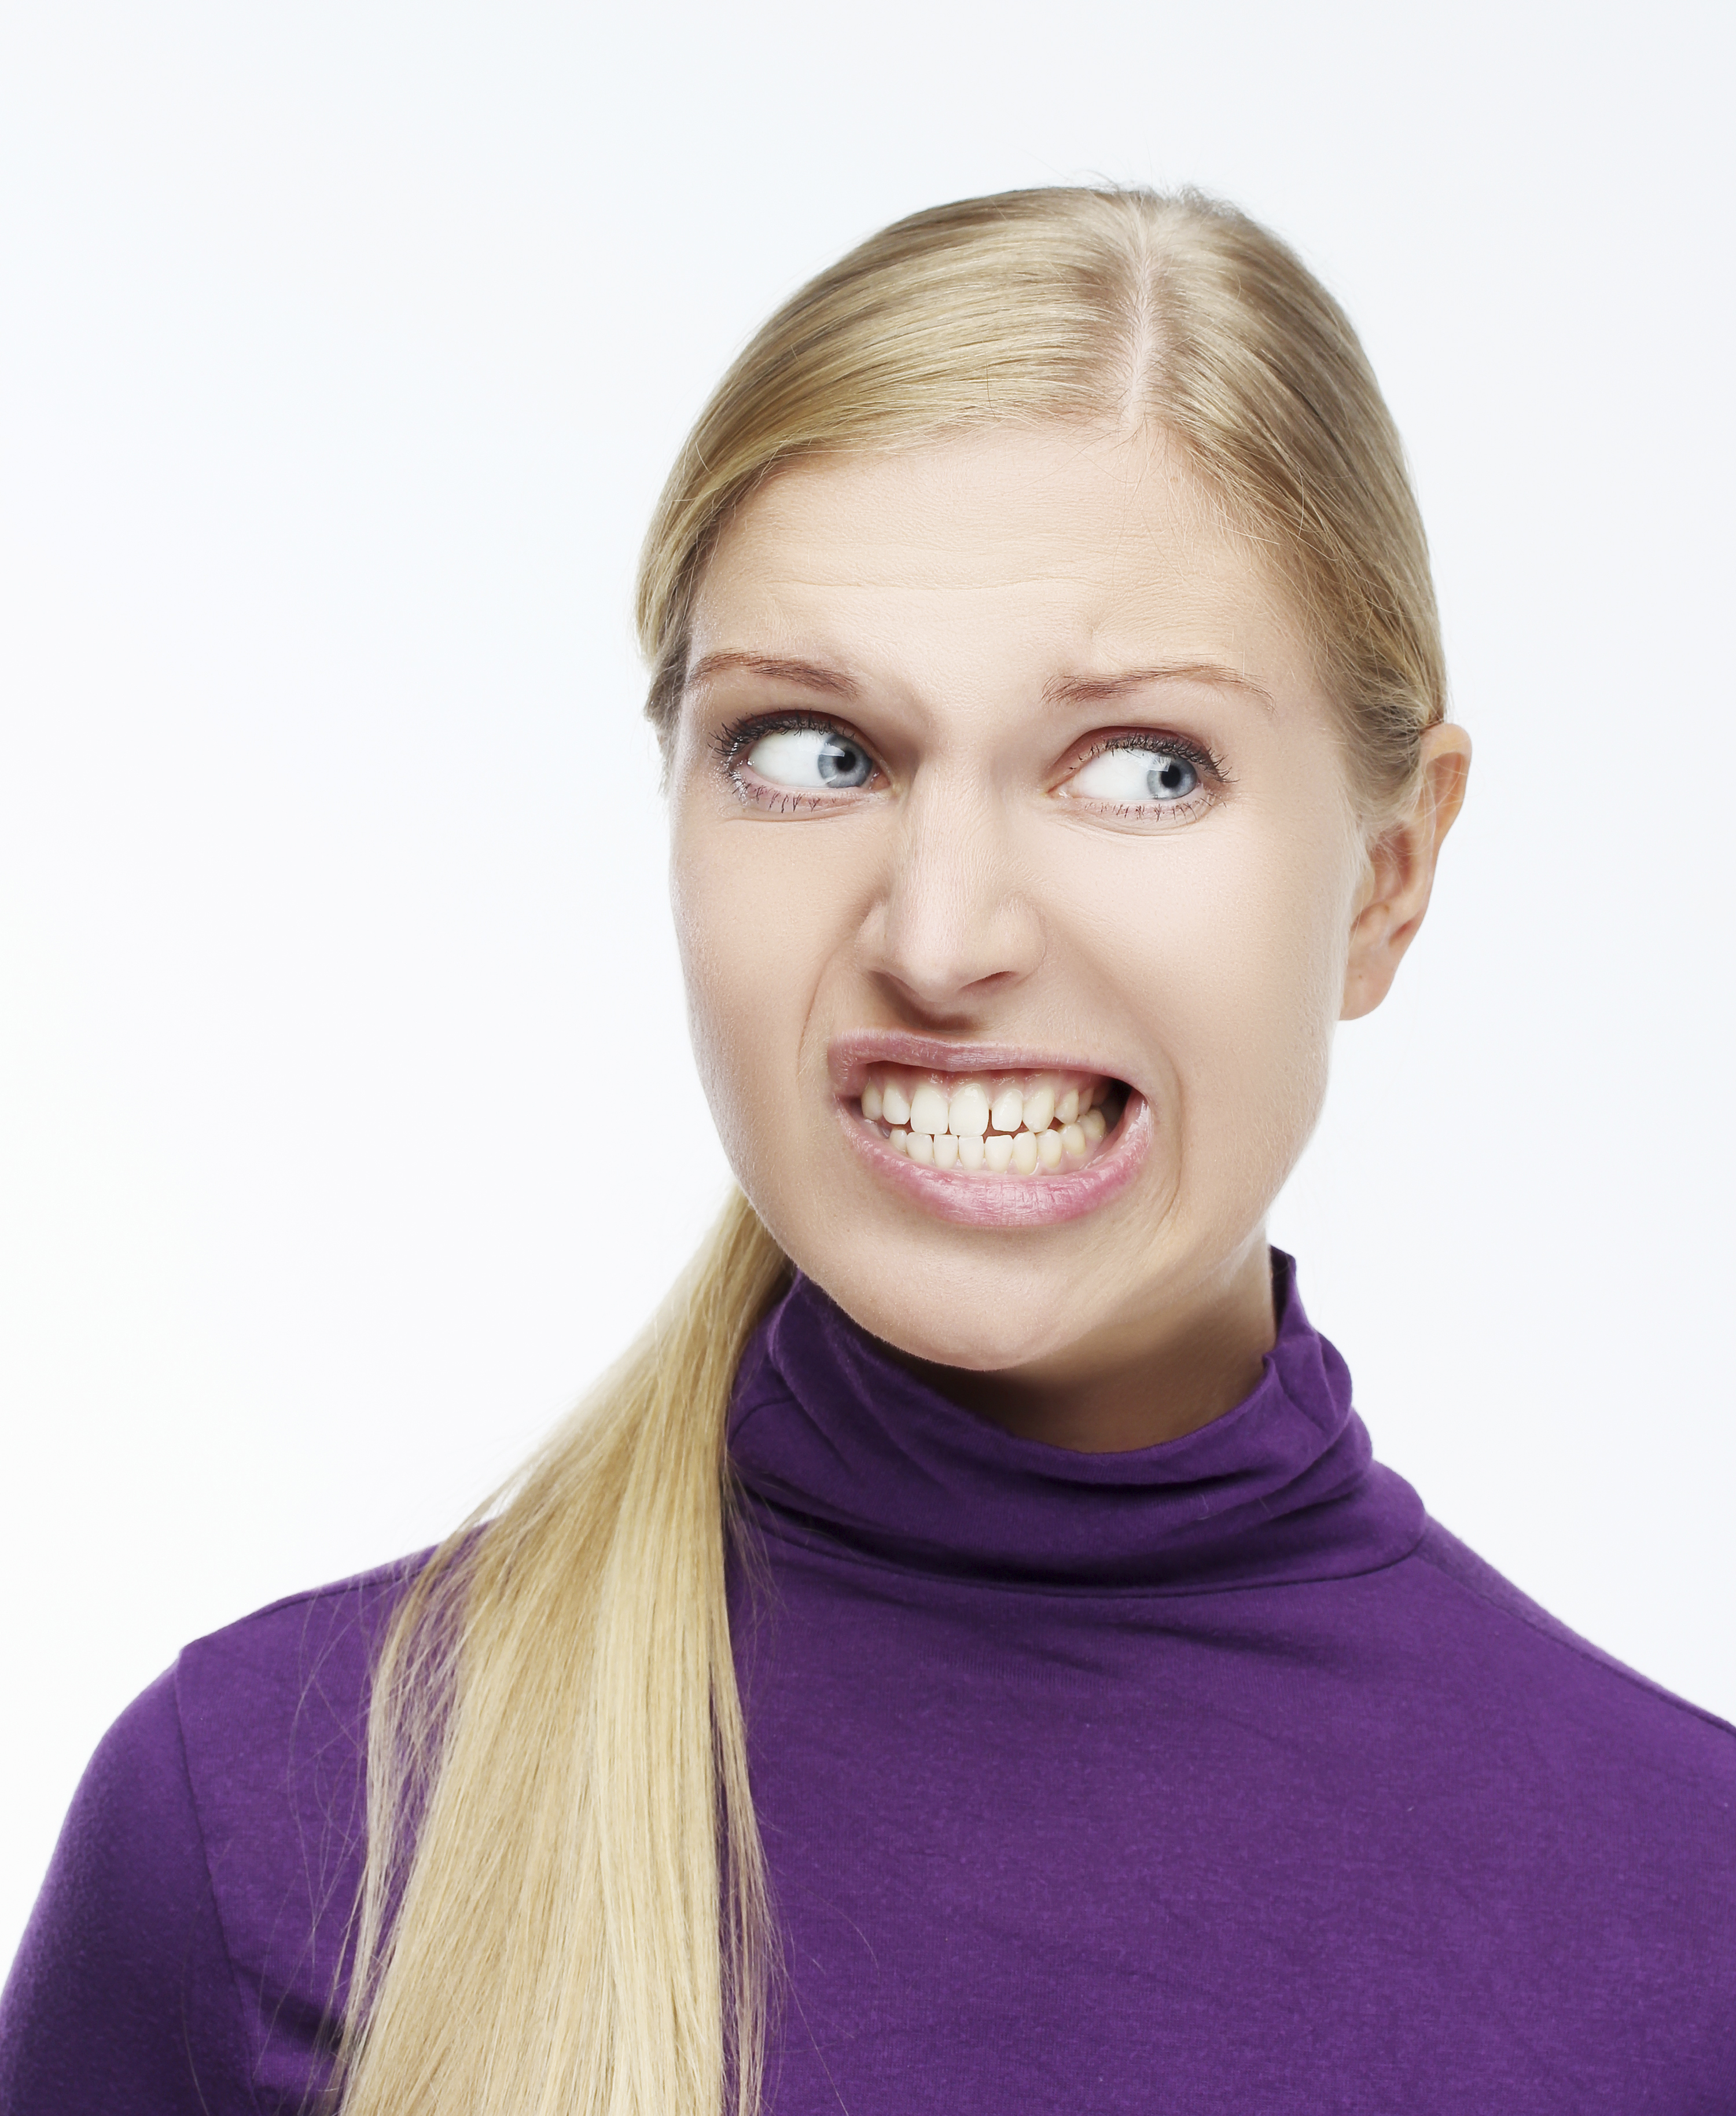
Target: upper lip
x,y
848,1057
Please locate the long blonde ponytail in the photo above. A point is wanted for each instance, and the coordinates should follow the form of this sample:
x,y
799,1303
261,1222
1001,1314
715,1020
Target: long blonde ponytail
x,y
564,1912
558,1793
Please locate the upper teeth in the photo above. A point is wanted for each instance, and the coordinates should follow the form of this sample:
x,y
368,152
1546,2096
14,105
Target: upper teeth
x,y
1038,1108
1008,1112
929,1111
997,1124
968,1112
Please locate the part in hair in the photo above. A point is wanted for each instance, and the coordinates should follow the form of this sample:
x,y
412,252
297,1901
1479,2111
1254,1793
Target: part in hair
x,y
1122,306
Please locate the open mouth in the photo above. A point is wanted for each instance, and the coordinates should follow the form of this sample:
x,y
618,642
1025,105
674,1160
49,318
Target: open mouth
x,y
992,1125
986,1135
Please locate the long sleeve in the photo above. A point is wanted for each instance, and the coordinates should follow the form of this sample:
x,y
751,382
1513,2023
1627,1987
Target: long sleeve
x,y
122,2001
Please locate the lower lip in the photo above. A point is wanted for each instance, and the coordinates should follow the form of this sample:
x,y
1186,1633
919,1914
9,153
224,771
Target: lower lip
x,y
1010,1201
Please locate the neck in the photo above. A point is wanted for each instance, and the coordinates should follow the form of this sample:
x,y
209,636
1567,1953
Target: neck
x,y
1147,1380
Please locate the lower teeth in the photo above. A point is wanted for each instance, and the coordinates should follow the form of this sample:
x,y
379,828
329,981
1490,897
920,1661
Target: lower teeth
x,y
998,1153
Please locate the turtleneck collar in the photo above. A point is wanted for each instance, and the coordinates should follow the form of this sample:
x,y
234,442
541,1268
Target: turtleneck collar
x,y
830,1433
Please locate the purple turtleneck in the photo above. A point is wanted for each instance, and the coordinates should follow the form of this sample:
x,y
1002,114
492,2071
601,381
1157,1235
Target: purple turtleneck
x,y
1211,1778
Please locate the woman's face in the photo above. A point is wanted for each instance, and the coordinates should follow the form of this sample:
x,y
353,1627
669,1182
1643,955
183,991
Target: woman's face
x,y
1004,775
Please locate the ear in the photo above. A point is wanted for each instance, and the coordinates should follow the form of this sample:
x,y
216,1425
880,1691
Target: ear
x,y
1401,871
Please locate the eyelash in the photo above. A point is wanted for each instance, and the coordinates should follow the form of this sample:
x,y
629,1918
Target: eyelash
x,y
731,743
1208,768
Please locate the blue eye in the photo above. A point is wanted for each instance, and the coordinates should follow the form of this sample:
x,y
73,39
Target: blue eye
x,y
810,760
1131,776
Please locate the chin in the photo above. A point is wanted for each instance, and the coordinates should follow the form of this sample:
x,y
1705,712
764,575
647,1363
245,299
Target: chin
x,y
956,1297
989,1348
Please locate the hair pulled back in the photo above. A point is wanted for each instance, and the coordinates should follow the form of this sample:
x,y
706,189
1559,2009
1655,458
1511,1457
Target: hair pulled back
x,y
563,1911
1122,306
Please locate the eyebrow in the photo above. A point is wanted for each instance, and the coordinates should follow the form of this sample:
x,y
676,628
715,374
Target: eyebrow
x,y
1094,690
1058,690
811,675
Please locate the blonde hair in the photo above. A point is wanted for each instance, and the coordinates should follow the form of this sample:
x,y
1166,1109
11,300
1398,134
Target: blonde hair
x,y
564,1908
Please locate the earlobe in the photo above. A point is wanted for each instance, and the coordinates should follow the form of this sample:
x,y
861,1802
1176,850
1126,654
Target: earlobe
x,y
1401,874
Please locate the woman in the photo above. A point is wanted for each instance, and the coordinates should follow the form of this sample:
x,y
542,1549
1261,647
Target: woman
x,y
965,1657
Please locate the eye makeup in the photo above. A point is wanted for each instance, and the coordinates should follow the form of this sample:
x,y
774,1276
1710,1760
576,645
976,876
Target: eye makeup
x,y
1144,775
794,759
1132,775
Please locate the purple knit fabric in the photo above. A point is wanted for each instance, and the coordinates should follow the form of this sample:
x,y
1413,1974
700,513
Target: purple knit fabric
x,y
1211,1778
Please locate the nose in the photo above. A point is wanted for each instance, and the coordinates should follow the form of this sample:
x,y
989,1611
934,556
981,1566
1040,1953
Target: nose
x,y
955,919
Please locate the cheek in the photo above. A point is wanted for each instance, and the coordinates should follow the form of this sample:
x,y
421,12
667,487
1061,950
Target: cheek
x,y
722,963
1241,985
752,950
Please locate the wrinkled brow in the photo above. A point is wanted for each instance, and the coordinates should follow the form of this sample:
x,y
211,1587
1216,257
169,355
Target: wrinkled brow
x,y
1096,690
810,675
1057,691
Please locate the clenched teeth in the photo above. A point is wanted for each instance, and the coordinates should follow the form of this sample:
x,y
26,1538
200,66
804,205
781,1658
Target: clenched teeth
x,y
991,1125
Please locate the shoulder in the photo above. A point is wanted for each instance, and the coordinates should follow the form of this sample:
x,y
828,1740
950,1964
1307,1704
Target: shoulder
x,y
186,1947
1528,1663
290,1677
274,1714
123,1997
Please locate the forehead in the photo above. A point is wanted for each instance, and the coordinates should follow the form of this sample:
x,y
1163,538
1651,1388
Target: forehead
x,y
1055,549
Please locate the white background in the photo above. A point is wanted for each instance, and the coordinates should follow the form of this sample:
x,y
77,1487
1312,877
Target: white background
x,y
347,1121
